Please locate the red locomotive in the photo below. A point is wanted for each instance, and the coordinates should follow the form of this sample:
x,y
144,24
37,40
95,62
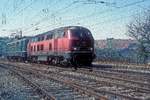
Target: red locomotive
x,y
66,45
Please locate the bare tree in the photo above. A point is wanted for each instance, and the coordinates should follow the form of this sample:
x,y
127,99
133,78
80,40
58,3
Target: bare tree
x,y
139,29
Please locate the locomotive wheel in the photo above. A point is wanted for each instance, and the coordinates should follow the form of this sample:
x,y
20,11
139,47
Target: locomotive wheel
x,y
64,63
75,63
55,61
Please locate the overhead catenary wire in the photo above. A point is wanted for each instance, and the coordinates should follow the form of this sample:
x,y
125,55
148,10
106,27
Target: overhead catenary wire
x,y
60,11
120,7
102,12
14,14
53,14
109,10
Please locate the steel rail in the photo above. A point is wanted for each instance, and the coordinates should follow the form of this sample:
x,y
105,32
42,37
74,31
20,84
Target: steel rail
x,y
109,92
40,90
76,87
115,78
85,88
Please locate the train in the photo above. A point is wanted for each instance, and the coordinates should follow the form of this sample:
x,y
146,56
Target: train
x,y
65,45
17,49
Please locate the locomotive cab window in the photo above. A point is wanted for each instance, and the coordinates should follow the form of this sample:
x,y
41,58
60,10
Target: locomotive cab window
x,y
80,33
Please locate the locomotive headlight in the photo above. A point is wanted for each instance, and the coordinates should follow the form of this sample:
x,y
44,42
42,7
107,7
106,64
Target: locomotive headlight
x,y
91,49
75,48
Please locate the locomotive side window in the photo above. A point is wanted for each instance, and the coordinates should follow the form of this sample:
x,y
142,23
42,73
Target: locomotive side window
x,y
58,34
34,40
49,37
31,48
34,48
50,46
40,38
42,47
61,33
65,34
38,47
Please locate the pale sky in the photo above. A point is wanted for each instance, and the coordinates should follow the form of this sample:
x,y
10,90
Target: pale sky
x,y
105,18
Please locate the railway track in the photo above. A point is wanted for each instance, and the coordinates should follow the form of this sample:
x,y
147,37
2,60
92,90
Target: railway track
x,y
124,66
104,86
99,83
1,98
131,85
31,86
140,79
131,69
121,78
58,87
118,73
15,88
133,79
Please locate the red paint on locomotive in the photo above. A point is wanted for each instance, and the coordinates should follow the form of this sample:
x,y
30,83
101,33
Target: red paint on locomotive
x,y
73,44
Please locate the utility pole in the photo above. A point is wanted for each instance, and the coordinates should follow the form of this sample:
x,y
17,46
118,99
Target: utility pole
x,y
3,18
54,18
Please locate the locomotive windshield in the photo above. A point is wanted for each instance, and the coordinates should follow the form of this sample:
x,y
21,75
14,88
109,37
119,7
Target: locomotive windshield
x,y
81,33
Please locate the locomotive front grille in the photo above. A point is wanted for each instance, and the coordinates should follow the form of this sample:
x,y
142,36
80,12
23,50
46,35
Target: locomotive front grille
x,y
83,48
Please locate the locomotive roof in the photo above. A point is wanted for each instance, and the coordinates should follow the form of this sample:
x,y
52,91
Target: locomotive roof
x,y
61,28
18,40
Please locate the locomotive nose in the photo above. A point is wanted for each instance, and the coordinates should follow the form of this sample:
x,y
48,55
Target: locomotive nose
x,y
82,45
